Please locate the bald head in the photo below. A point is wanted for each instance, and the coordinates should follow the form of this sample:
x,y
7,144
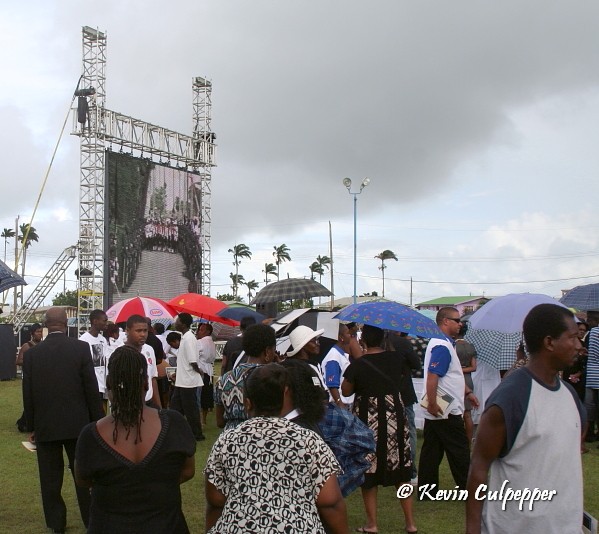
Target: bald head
x,y
56,320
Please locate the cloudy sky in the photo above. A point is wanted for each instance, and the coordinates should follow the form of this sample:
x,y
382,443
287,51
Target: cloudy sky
x,y
476,122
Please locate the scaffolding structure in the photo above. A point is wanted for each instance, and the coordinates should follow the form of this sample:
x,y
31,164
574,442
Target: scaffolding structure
x,y
102,129
42,290
91,188
204,152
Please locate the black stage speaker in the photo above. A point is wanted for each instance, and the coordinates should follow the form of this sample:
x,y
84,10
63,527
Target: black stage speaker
x,y
8,353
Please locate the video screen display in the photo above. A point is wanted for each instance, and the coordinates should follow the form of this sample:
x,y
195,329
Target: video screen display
x,y
153,231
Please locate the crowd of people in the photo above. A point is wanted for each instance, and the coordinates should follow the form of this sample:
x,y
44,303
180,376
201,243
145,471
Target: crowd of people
x,y
304,429
154,234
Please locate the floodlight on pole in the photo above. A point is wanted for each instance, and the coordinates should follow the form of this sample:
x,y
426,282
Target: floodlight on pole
x,y
347,183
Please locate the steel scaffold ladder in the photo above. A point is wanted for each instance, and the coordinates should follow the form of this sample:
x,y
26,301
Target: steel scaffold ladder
x,y
43,289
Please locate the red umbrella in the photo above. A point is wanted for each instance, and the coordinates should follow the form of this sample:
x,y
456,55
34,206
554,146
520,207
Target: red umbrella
x,y
201,306
144,306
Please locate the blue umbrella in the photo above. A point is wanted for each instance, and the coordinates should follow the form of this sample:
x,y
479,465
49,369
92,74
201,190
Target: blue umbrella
x,y
583,298
8,278
391,316
239,312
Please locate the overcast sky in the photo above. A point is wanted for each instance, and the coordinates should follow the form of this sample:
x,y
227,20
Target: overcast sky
x,y
476,122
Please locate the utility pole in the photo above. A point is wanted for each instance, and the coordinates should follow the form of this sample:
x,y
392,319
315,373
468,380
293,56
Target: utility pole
x,y
16,263
331,269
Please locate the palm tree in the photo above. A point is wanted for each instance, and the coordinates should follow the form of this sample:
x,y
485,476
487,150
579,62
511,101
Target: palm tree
x,y
240,251
315,267
269,268
324,262
251,285
237,280
383,256
7,233
26,237
281,254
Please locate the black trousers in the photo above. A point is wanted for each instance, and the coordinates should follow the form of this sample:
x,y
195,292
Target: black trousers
x,y
50,461
444,436
185,401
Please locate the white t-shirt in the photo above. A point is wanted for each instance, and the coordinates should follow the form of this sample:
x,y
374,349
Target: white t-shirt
x,y
452,382
207,354
332,368
98,347
187,376
165,345
541,450
148,353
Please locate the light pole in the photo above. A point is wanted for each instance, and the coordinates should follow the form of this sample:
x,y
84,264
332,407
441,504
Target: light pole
x,y
347,184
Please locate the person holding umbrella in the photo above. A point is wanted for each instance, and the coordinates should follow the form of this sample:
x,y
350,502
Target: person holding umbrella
x,y
375,378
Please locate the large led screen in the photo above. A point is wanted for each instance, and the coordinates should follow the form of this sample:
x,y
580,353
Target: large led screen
x,y
153,230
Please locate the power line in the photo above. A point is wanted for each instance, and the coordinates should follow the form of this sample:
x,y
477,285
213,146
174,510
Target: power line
x,y
474,283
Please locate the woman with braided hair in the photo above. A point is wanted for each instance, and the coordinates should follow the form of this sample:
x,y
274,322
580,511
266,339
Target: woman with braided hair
x,y
135,458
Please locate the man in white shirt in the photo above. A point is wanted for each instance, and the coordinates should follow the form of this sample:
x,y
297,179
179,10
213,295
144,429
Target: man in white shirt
x,y
98,346
189,377
207,355
444,431
334,365
137,333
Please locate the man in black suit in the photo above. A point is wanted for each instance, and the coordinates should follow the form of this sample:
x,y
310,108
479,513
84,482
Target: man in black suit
x,y
60,396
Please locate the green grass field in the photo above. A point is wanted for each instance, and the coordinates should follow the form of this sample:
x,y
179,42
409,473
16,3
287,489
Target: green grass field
x,y
21,507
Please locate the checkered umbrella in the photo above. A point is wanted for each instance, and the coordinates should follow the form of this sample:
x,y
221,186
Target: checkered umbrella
x,y
506,314
8,278
495,330
584,298
290,289
496,349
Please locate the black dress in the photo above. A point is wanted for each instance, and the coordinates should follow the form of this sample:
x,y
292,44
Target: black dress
x,y
377,379
137,498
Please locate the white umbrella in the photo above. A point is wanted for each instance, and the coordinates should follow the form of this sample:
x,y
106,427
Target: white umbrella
x,y
506,314
496,329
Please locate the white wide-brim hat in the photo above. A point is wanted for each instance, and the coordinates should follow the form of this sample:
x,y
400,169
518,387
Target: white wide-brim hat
x,y
300,336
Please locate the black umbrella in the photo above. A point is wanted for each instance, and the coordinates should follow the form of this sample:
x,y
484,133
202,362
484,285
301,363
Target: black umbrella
x,y
8,278
290,289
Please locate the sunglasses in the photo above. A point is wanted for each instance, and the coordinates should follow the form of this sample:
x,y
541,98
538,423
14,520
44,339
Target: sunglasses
x,y
453,319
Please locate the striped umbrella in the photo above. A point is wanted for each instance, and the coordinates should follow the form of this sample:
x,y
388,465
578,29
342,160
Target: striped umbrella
x,y
144,306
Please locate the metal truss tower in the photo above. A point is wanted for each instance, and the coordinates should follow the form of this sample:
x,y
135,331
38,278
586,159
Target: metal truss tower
x,y
101,128
91,190
205,156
